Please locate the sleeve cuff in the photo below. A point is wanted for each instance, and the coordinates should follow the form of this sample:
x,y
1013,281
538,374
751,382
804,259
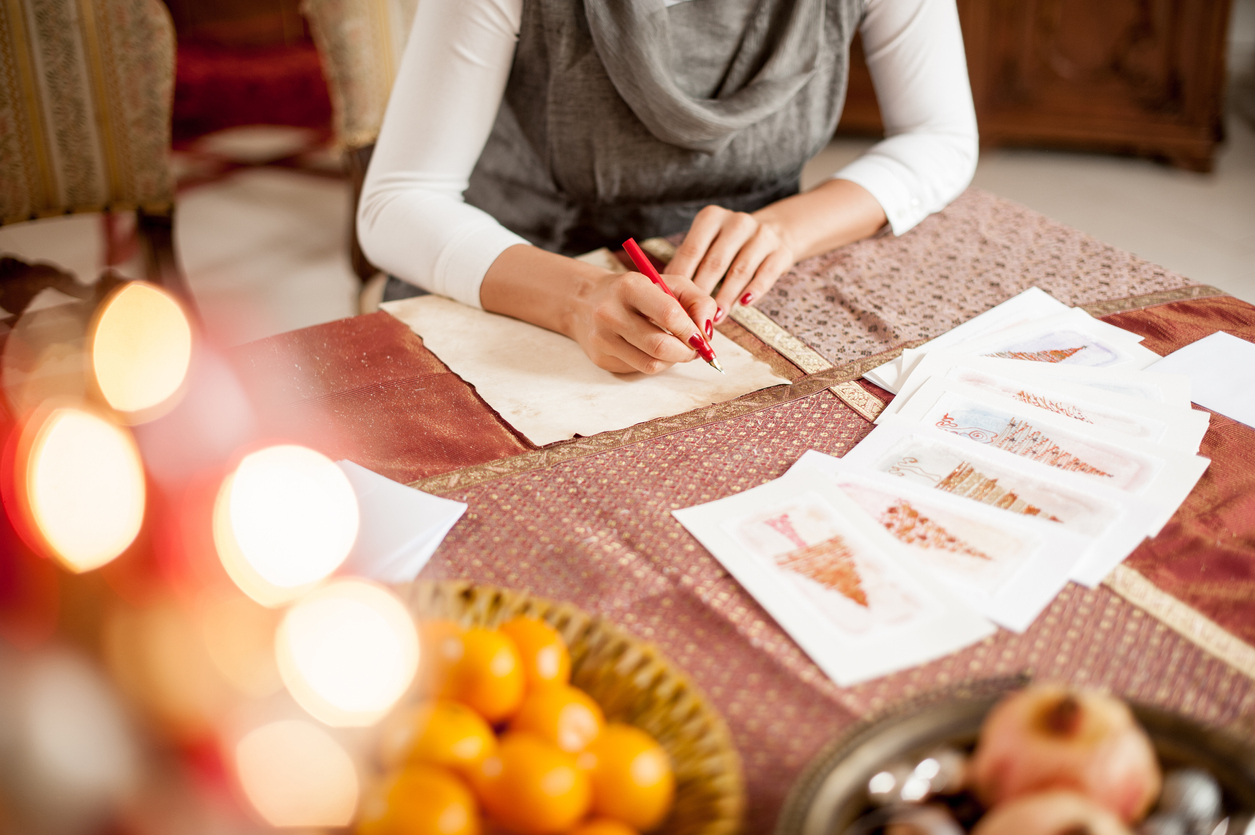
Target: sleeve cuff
x,y
902,208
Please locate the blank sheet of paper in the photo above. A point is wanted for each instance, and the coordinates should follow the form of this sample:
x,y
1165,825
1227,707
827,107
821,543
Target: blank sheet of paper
x,y
1221,370
544,386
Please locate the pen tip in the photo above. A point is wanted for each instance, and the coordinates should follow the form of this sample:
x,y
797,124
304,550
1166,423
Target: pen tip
x,y
717,366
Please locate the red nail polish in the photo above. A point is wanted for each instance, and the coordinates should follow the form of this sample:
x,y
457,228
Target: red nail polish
x,y
747,298
719,314
701,347
710,329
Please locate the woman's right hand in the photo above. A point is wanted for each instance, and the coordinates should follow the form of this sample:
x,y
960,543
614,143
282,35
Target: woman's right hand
x,y
623,321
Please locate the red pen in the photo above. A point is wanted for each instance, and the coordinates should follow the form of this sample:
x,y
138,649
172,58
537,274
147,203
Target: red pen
x,y
643,264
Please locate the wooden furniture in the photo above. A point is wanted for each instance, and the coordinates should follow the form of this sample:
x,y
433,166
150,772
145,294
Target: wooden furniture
x,y
1142,77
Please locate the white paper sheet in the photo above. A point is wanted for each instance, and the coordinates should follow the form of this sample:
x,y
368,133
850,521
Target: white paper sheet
x,y
1171,390
400,527
840,585
1116,521
1033,303
1162,476
1006,566
1178,427
1221,368
544,386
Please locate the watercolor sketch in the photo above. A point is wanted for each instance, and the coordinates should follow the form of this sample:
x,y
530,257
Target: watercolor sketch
x,y
960,547
1062,346
1023,436
1137,426
957,471
858,590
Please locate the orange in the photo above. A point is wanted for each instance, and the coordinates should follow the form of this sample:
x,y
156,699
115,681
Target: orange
x,y
545,656
631,776
532,787
563,715
421,800
488,677
603,826
440,648
440,733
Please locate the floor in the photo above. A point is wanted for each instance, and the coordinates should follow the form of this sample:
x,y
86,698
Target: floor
x,y
264,247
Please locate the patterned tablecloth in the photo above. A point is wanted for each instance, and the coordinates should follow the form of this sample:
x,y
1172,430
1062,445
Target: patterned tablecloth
x,y
588,520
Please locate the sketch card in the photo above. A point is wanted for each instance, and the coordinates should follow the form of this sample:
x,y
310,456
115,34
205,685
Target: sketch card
x,y
1069,338
1114,520
1161,475
840,585
1007,567
1170,391
1180,427
1033,303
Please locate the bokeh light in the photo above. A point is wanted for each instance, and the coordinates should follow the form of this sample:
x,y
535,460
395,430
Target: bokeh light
x,y
284,520
347,652
141,348
296,774
239,635
84,488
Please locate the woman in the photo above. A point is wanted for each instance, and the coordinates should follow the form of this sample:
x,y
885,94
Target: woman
x,y
521,132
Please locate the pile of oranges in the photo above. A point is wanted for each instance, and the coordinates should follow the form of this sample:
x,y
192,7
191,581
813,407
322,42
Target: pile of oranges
x,y
500,732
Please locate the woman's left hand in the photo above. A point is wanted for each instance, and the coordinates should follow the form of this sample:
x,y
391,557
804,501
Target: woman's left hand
x,y
747,252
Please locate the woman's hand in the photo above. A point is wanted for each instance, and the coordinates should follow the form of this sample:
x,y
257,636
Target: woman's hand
x,y
626,323
749,252
745,251
622,321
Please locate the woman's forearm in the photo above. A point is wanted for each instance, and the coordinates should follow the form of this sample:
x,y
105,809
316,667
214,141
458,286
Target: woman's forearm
x,y
832,214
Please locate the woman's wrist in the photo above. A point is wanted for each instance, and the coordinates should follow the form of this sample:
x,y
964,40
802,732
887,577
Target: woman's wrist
x,y
540,287
833,214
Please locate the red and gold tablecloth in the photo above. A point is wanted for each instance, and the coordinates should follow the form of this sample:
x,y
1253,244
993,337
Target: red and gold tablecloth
x,y
589,521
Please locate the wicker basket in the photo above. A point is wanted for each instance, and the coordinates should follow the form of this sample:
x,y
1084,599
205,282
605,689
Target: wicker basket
x,y
633,683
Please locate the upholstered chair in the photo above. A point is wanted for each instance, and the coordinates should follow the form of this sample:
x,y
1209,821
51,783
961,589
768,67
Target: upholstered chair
x,y
360,42
86,95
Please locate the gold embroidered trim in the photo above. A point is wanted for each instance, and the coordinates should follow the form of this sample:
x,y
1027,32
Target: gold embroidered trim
x,y
660,248
98,63
1107,308
859,399
790,347
606,441
34,116
1201,630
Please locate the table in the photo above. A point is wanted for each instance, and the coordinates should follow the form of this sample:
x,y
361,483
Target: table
x,y
588,520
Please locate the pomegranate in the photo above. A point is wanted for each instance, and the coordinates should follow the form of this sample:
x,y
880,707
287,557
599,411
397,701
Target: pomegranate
x,y
1057,812
1048,737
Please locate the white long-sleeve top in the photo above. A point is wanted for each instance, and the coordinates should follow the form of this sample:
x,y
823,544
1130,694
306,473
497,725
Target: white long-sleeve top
x,y
413,223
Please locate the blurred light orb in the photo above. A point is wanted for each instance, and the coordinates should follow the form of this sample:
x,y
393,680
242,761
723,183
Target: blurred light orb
x,y
141,348
347,652
85,488
284,520
295,774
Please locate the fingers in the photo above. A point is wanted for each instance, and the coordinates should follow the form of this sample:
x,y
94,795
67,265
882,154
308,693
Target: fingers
x,y
776,264
745,267
737,230
630,328
701,308
693,248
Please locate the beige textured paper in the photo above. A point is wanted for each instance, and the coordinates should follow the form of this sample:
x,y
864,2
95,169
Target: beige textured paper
x,y
545,387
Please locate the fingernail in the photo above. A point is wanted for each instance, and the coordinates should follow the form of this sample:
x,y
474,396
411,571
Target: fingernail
x,y
710,329
719,314
701,347
747,298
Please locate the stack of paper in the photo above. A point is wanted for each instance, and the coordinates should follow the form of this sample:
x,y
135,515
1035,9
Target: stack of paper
x,y
1028,450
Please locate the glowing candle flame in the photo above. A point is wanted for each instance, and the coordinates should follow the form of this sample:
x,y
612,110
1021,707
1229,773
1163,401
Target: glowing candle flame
x,y
141,348
284,520
347,652
295,774
84,488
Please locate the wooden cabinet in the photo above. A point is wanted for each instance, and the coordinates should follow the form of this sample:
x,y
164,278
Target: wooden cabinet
x,y
1142,77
